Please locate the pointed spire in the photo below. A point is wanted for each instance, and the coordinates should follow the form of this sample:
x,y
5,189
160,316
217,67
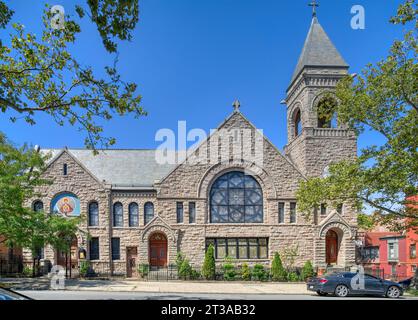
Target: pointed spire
x,y
318,51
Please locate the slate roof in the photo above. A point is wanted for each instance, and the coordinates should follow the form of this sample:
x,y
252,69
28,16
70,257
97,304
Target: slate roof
x,y
318,50
120,167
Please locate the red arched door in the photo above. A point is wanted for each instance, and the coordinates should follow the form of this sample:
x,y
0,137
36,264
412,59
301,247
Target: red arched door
x,y
331,242
158,250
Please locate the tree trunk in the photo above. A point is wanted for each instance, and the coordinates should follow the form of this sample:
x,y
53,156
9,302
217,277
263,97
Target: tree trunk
x,y
33,268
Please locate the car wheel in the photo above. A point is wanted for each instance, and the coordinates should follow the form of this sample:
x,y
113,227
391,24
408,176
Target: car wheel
x,y
393,292
341,291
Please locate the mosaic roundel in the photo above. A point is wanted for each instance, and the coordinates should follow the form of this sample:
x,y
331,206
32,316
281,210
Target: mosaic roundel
x,y
66,204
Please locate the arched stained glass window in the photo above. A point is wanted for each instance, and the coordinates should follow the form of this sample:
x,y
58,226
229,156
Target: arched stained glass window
x,y
133,214
148,212
236,198
118,215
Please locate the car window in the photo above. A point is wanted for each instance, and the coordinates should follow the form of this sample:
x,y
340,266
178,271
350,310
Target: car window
x,y
349,275
368,276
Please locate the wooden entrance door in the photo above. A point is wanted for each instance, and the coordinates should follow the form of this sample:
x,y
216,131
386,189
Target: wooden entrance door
x,y
331,242
131,259
158,250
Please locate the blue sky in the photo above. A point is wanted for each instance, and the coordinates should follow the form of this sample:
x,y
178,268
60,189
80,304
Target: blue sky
x,y
191,59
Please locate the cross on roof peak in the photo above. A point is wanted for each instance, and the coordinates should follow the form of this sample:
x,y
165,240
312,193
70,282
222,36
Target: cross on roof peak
x,y
236,105
314,4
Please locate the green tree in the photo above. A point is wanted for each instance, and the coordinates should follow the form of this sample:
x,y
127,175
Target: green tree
x,y
278,272
384,99
245,272
20,174
307,270
186,269
209,266
40,75
179,260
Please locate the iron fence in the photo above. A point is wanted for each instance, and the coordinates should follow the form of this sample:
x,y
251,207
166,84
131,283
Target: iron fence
x,y
231,273
11,266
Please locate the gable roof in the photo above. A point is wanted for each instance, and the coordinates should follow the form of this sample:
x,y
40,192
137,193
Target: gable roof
x,y
318,51
221,126
120,167
137,168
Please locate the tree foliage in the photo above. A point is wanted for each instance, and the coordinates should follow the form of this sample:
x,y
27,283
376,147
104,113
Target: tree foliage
x,y
383,98
278,272
209,267
41,75
20,174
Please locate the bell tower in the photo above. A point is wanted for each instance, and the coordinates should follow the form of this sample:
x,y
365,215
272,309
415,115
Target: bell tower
x,y
315,141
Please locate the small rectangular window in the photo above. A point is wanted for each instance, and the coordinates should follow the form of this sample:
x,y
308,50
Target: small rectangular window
x,y
281,212
65,169
192,212
94,249
179,212
293,212
115,248
340,208
323,209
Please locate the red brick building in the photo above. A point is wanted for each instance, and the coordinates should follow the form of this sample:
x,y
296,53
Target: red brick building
x,y
390,254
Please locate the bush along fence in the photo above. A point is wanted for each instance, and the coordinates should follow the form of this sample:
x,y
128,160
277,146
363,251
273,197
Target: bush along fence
x,y
228,271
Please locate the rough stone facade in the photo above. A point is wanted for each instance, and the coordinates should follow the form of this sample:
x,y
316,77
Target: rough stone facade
x,y
279,175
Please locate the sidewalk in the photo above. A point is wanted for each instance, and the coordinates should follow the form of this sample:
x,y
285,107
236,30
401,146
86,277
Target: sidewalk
x,y
162,286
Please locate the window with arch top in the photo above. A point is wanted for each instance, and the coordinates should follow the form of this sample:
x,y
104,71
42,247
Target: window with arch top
x,y
93,214
148,212
118,215
133,214
236,198
297,122
327,117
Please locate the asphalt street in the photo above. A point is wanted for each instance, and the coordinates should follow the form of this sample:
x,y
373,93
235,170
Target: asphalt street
x,y
101,295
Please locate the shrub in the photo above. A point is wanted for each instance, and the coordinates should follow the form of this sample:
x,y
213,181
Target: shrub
x,y
84,268
307,270
293,277
143,270
259,273
179,260
27,271
185,269
278,273
209,268
229,271
194,274
245,272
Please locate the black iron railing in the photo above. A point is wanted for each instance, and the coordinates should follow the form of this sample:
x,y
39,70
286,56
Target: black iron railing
x,y
11,265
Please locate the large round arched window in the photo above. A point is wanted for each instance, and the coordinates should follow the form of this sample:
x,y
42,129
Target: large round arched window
x,y
236,198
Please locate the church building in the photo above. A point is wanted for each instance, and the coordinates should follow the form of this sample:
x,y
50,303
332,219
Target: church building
x,y
136,210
